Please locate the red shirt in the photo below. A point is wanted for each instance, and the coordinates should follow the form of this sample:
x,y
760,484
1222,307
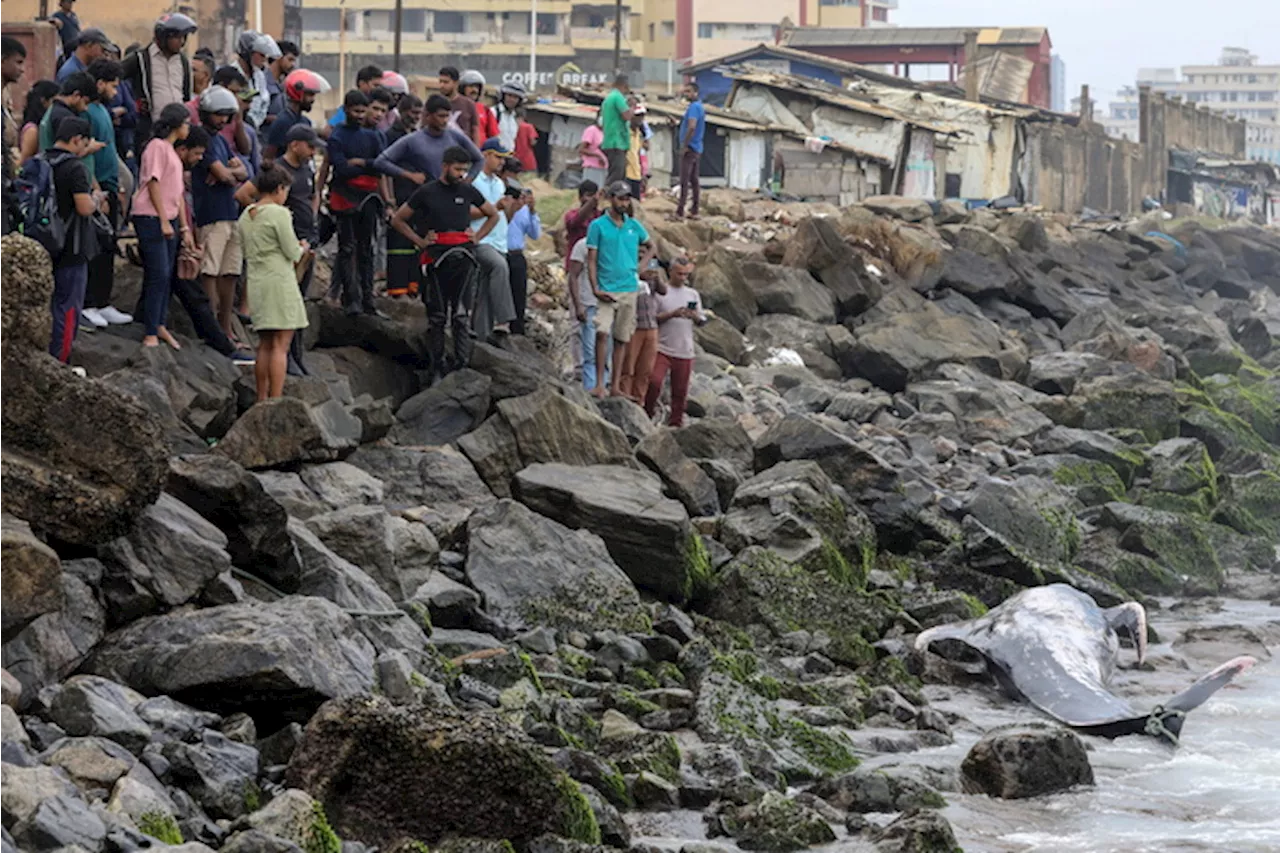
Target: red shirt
x,y
526,136
487,122
575,227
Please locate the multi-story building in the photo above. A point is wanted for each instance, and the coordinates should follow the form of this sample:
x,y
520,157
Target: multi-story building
x,y
1240,86
491,36
1057,84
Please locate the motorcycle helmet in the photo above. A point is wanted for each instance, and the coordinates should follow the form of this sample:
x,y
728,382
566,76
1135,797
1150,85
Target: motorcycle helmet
x,y
174,24
218,100
471,77
394,83
300,81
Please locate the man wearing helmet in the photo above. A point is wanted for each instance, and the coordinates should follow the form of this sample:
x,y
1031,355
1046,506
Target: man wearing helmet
x,y
213,184
161,74
472,86
277,71
510,97
300,90
253,51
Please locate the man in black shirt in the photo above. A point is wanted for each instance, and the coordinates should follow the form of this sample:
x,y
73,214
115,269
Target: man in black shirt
x,y
75,202
442,212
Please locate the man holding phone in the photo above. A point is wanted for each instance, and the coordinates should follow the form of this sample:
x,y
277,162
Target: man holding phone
x,y
679,310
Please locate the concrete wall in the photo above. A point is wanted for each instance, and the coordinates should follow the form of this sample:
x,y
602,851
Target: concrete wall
x,y
1167,122
1067,168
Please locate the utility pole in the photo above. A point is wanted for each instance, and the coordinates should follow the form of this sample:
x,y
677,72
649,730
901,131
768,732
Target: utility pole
x,y
617,37
533,46
399,18
342,48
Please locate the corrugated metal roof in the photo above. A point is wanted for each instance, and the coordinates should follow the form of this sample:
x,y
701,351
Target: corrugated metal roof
x,y
778,51
837,97
909,36
1003,76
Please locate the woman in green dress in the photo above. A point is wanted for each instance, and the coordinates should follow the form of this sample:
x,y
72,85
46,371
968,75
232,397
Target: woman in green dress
x,y
270,251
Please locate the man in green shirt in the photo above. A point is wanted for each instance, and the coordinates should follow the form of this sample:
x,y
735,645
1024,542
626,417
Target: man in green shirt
x,y
615,115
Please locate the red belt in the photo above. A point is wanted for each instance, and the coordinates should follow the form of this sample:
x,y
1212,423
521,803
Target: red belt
x,y
446,239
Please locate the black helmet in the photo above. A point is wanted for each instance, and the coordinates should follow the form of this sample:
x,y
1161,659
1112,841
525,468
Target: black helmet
x,y
174,24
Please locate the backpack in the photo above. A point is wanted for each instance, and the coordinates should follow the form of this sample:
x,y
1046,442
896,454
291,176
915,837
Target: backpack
x,y
38,203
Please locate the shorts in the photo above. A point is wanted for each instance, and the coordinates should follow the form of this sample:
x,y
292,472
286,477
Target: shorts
x,y
618,316
221,242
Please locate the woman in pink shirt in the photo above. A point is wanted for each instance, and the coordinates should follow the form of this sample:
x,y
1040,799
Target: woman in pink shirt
x,y
158,218
594,165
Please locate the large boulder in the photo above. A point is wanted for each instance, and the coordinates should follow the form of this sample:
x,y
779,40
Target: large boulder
x,y
87,705
788,290
444,412
285,431
684,480
723,288
55,644
80,459
1034,514
818,247
906,347
384,773
1178,542
398,554
541,427
1132,400
532,570
778,338
253,522
417,476
279,660
32,581
648,535
917,830
172,552
1028,761
848,465
794,509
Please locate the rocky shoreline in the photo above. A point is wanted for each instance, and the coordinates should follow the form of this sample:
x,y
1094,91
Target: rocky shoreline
x,y
495,614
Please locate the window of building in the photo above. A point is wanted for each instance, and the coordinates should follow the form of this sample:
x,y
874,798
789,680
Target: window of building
x,y
879,13
705,30
450,22
322,20
595,21
1231,96
668,29
548,25
653,29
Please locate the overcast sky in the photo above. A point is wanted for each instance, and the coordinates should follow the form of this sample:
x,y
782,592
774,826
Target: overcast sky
x,y
1104,42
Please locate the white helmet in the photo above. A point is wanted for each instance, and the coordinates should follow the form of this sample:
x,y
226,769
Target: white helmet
x,y
266,45
471,77
218,99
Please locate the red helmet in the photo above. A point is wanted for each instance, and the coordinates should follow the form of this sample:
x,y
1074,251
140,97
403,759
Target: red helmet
x,y
301,81
394,83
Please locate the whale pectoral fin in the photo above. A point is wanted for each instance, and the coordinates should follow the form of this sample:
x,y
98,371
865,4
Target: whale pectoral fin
x,y
1130,617
1209,684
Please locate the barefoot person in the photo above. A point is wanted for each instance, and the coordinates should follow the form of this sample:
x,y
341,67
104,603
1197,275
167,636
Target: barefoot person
x,y
160,220
270,251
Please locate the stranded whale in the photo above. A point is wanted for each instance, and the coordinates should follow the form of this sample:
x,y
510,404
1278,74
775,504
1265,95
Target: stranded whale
x,y
1054,647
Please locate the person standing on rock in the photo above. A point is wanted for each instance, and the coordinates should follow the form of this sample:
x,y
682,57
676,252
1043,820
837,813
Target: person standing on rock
x,y
213,189
615,118
73,191
595,167
643,349
524,225
160,221
614,256
356,203
679,310
270,251
494,309
692,129
412,161
440,213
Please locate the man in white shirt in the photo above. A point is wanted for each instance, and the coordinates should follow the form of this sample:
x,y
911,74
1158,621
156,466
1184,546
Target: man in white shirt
x,y
679,310
494,307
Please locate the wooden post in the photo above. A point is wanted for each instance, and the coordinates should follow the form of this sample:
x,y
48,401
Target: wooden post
x,y
399,19
1086,105
342,50
617,37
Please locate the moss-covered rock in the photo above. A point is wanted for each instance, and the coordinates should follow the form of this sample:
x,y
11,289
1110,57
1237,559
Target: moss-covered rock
x,y
636,750
917,831
1252,504
777,824
1254,398
892,789
1090,482
384,773
1222,432
761,589
1133,400
795,509
1179,542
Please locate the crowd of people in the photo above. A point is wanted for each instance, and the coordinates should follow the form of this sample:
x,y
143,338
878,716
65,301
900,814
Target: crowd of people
x,y
228,187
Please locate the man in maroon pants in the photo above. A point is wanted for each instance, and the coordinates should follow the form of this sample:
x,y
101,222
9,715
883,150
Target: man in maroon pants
x,y
679,310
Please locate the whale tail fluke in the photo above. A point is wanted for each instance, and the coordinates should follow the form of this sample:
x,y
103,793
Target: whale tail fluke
x,y
1165,721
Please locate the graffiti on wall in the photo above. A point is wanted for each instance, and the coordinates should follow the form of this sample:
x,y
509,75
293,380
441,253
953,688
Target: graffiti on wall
x,y
1230,202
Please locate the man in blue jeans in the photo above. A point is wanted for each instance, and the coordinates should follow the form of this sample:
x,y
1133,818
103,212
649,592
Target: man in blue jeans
x,y
584,309
692,129
75,202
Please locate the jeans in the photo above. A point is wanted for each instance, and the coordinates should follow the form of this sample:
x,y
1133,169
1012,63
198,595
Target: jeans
x,y
493,294
195,300
356,230
681,369
69,283
638,365
102,269
689,181
159,257
617,158
518,268
450,285
587,333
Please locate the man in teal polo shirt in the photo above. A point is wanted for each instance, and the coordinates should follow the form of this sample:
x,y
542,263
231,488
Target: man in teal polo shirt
x,y
614,259
615,118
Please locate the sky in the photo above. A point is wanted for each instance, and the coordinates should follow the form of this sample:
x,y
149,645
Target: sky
x,y
1105,42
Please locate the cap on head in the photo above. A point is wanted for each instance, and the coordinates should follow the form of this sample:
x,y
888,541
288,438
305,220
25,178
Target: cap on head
x,y
495,145
619,189
93,35
304,133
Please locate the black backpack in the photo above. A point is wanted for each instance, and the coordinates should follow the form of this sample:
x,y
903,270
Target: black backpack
x,y
38,202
